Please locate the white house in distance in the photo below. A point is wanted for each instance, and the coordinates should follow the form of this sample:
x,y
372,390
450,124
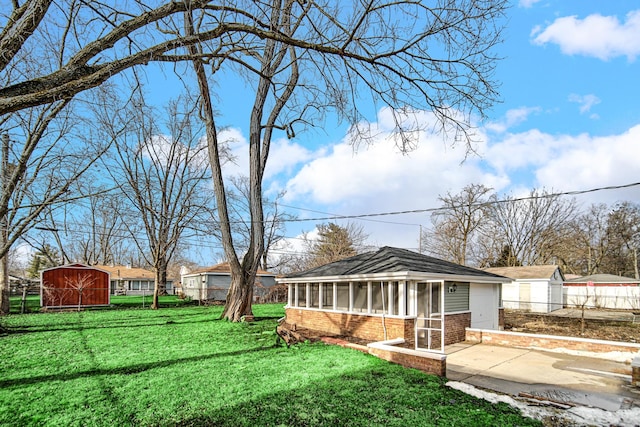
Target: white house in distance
x,y
535,288
423,303
603,291
212,283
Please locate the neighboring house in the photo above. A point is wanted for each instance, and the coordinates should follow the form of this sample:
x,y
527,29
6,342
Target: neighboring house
x,y
127,280
535,288
395,293
603,291
212,283
74,285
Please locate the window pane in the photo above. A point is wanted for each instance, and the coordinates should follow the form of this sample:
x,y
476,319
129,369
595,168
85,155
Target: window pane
x,y
315,295
327,296
378,297
395,309
343,297
435,298
302,295
360,297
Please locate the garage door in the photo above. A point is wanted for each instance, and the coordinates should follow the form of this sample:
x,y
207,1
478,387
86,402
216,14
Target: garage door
x,y
483,303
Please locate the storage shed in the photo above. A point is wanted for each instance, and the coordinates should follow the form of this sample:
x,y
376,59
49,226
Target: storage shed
x,y
74,285
535,288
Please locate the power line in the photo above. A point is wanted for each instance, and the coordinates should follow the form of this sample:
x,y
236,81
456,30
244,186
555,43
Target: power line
x,y
444,208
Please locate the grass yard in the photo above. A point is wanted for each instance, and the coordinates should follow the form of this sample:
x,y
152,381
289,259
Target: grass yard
x,y
182,367
32,302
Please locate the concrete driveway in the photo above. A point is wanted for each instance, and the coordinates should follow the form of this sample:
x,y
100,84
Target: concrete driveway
x,y
557,377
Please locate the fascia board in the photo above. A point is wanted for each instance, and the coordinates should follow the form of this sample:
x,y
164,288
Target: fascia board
x,y
402,275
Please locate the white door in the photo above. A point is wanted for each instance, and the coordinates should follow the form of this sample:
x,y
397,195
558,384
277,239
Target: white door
x,y
483,303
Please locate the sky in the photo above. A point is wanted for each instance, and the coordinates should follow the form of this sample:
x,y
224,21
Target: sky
x,y
568,120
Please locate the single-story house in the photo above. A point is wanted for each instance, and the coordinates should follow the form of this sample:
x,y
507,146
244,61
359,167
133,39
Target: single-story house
x,y
535,288
392,294
603,291
212,283
127,280
74,285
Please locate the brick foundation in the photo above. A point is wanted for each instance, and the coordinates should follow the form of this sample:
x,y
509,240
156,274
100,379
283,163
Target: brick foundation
x,y
431,364
551,342
370,327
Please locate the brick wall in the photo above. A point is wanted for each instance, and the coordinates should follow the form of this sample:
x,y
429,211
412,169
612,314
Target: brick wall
x,y
517,339
455,326
359,326
436,366
635,371
370,328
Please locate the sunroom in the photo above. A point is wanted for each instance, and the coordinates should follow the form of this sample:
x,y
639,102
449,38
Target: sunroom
x,y
394,294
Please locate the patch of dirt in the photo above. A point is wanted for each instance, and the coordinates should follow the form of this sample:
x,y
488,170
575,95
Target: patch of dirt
x,y
535,323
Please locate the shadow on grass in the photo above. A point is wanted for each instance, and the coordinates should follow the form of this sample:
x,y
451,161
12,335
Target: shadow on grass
x,y
384,395
125,370
131,322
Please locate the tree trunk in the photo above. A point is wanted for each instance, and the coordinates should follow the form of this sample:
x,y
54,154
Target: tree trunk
x,y
4,285
159,287
240,296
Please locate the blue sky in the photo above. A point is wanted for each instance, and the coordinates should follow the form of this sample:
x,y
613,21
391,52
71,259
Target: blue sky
x,y
569,120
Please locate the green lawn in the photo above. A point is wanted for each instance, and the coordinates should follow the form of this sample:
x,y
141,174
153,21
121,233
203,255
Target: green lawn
x,y
182,366
32,303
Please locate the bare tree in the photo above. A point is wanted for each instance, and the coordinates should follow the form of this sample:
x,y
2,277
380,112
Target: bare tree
x,y
402,54
328,57
455,225
529,227
39,168
161,170
275,219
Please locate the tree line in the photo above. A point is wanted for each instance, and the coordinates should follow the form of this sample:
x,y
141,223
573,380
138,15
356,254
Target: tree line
x,y
478,228
73,107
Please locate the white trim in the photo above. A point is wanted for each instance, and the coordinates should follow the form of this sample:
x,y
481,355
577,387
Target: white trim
x,y
452,313
358,313
402,275
391,345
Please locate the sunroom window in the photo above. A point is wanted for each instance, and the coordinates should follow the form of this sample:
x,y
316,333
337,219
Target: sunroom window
x,y
360,296
342,292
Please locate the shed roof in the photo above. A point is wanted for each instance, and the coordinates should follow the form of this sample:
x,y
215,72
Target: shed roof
x,y
392,260
603,278
525,272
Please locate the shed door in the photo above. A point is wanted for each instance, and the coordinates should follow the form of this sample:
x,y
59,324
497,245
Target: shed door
x,y
483,303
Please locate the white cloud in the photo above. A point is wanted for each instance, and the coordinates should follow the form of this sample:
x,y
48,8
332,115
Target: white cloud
x,y
527,3
512,118
602,37
239,149
586,162
586,102
377,178
284,156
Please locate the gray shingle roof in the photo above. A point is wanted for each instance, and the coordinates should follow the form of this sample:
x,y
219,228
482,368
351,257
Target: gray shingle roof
x,y
391,260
